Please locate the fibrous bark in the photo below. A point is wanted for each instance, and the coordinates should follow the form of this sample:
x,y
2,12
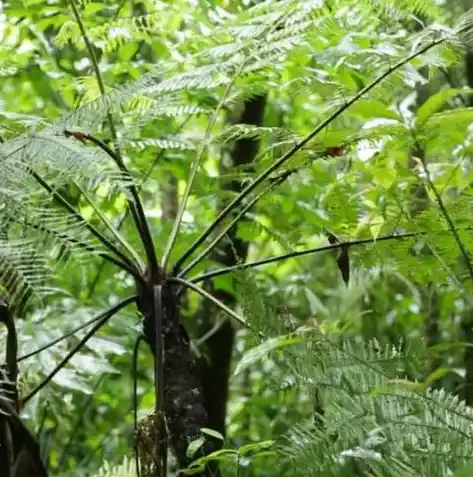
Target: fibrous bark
x,y
183,403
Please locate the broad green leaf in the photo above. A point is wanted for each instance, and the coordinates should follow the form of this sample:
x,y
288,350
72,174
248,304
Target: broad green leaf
x,y
376,225
256,447
385,177
211,433
371,108
436,102
194,446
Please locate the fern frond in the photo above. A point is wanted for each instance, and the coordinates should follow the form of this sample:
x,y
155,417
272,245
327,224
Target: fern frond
x,y
248,131
22,270
403,8
126,469
372,412
167,143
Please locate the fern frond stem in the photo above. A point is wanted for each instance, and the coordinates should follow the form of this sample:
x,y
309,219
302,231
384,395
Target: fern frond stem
x,y
195,167
161,448
233,223
93,230
104,317
135,205
134,374
449,220
121,240
139,217
282,160
95,65
124,266
61,338
206,336
266,261
218,303
146,176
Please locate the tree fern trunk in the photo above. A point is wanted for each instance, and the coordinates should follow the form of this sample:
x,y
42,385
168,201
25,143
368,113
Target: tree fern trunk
x,y
183,404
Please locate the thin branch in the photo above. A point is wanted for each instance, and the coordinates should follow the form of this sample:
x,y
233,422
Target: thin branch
x,y
105,317
266,261
218,303
266,173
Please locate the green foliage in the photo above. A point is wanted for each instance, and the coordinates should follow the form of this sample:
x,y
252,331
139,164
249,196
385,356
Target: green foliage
x,y
125,469
372,422
172,74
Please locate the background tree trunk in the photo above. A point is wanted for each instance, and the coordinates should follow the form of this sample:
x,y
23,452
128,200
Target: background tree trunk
x,y
214,366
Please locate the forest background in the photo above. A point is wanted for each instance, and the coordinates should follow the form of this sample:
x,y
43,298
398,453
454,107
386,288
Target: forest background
x,y
319,154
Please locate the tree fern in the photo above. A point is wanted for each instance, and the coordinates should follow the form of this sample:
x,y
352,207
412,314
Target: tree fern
x,y
237,55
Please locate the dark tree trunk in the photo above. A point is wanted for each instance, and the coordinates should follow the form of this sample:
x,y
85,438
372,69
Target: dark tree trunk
x,y
467,321
214,367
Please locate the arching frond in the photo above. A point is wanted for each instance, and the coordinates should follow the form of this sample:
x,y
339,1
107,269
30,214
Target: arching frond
x,y
374,418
